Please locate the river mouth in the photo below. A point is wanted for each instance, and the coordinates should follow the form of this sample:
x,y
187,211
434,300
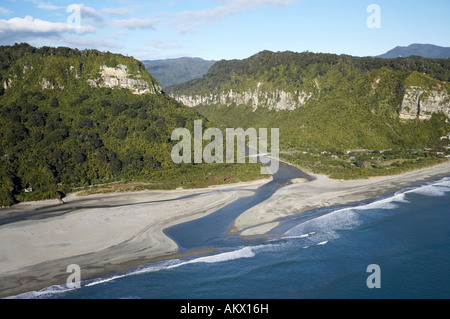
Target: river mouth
x,y
212,231
206,236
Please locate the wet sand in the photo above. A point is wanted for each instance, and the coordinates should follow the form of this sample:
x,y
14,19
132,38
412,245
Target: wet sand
x,y
100,233
323,191
105,233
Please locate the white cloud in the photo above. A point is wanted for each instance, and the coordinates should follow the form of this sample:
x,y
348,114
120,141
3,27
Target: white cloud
x,y
91,43
187,21
122,12
45,5
49,6
24,28
88,14
4,11
133,23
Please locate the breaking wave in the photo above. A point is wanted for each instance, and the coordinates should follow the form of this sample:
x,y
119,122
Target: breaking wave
x,y
328,225
315,232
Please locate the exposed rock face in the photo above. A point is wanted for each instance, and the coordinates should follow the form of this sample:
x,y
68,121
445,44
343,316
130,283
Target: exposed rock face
x,y
120,78
421,103
7,84
275,100
47,85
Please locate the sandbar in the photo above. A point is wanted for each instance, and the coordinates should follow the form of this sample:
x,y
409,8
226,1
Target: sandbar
x,y
105,233
301,196
101,233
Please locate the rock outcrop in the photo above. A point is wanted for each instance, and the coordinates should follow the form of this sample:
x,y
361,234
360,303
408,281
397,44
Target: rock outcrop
x,y
7,84
47,85
120,78
421,103
273,100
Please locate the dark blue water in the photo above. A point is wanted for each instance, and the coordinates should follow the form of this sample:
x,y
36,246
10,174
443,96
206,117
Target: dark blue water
x,y
318,254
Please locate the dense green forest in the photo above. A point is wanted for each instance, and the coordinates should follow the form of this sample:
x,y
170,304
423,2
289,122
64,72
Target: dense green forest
x,y
348,108
62,67
292,71
335,125
354,103
73,135
59,133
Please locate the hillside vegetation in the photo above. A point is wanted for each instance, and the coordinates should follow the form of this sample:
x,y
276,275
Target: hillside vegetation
x,y
62,133
326,102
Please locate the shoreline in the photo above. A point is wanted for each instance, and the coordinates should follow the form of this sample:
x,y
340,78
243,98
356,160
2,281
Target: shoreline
x,y
302,196
101,233
104,233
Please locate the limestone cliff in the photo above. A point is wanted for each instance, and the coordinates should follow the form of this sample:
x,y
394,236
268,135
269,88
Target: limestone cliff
x,y
47,68
47,85
421,102
410,88
120,78
273,100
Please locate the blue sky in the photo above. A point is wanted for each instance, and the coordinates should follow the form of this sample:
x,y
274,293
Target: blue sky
x,y
224,29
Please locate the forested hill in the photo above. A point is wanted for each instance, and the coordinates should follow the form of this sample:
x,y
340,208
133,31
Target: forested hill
x,y
71,118
291,71
175,71
326,101
25,67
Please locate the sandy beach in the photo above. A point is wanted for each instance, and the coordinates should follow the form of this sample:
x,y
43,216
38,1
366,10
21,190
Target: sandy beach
x,y
103,233
323,191
100,233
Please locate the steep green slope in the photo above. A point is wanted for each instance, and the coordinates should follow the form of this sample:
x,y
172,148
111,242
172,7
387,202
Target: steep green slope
x,y
63,68
326,105
290,71
324,101
72,118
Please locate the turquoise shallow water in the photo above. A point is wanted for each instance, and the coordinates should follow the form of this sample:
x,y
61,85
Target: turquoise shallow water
x,y
319,254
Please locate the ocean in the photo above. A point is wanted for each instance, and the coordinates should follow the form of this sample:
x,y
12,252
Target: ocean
x,y
320,254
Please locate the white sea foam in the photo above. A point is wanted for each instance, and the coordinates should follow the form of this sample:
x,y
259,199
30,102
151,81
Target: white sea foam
x,y
102,281
386,203
320,230
44,293
294,237
328,225
337,220
324,228
139,270
436,189
245,252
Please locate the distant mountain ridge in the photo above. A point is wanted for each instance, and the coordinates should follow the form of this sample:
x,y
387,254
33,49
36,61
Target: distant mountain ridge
x,y
172,60
424,50
179,70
